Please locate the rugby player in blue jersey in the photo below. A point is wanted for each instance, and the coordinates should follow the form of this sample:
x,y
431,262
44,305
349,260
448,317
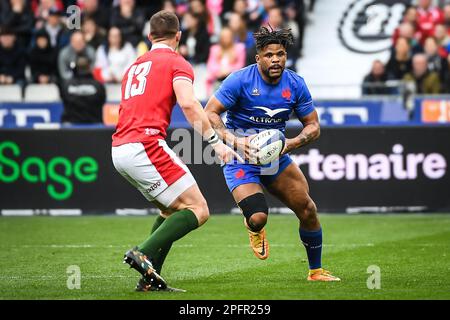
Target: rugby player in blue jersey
x,y
260,97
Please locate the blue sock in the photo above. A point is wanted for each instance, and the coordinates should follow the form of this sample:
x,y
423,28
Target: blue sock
x,y
312,240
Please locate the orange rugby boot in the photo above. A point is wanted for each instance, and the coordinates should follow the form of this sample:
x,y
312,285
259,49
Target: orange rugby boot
x,y
258,242
321,275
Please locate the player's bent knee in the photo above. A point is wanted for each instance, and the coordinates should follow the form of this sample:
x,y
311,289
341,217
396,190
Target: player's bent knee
x,y
255,210
311,209
201,211
257,221
204,213
309,212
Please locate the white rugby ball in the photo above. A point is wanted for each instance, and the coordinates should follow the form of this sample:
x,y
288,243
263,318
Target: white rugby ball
x,y
270,144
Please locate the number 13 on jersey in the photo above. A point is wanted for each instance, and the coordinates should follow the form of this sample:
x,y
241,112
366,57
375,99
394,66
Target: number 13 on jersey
x,y
138,72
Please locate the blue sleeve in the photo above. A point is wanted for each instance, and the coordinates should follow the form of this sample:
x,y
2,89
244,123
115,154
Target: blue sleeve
x,y
229,90
305,103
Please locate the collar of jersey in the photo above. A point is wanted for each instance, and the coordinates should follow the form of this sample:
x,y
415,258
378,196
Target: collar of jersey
x,y
160,46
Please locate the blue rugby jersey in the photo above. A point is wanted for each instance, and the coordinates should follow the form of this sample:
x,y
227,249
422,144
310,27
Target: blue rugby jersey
x,y
252,103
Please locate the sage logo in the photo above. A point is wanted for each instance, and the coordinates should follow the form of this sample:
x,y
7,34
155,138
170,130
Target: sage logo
x,y
367,25
57,174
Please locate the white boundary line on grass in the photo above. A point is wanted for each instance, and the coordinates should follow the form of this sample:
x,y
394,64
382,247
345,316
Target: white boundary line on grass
x,y
40,212
86,246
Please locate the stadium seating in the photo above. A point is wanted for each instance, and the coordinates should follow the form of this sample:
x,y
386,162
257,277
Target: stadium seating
x,y
42,93
325,91
10,93
113,92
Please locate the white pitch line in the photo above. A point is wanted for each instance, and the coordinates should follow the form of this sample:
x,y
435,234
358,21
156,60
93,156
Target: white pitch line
x,y
292,245
52,277
86,246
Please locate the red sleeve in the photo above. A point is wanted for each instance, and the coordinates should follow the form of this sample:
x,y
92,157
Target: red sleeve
x,y
182,70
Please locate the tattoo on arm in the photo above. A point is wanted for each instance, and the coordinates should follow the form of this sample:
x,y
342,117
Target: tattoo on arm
x,y
309,133
305,138
218,125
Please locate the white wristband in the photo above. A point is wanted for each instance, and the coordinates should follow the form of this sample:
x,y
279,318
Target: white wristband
x,y
214,139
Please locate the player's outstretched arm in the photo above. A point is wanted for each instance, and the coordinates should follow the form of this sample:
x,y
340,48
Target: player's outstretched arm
x,y
196,116
310,132
214,108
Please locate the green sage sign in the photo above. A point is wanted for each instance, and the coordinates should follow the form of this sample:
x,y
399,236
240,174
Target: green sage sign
x,y
57,173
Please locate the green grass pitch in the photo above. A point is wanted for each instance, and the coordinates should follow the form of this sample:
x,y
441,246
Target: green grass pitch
x,y
215,261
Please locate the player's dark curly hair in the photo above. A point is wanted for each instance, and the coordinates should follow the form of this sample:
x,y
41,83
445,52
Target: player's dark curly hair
x,y
264,37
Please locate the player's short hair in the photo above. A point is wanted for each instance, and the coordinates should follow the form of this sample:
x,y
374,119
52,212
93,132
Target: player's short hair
x,y
264,37
164,25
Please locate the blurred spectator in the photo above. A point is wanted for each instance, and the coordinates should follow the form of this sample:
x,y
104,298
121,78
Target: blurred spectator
x,y
375,81
42,8
92,10
17,16
181,7
295,12
409,20
56,29
428,17
253,12
258,12
169,5
406,30
130,20
69,54
264,7
411,16
114,58
194,43
214,6
199,8
67,3
92,35
240,7
424,81
224,58
431,50
442,38
227,6
12,59
239,27
83,97
149,8
446,11
296,24
445,77
312,4
144,45
42,60
275,18
399,63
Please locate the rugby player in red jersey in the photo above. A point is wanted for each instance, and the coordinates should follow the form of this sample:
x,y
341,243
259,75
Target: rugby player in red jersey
x,y
150,88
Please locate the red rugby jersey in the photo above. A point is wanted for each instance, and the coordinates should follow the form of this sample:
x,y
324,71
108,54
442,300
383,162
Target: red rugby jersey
x,y
147,95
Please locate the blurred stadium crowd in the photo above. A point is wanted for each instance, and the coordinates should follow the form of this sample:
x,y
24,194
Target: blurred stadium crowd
x,y
38,47
419,61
